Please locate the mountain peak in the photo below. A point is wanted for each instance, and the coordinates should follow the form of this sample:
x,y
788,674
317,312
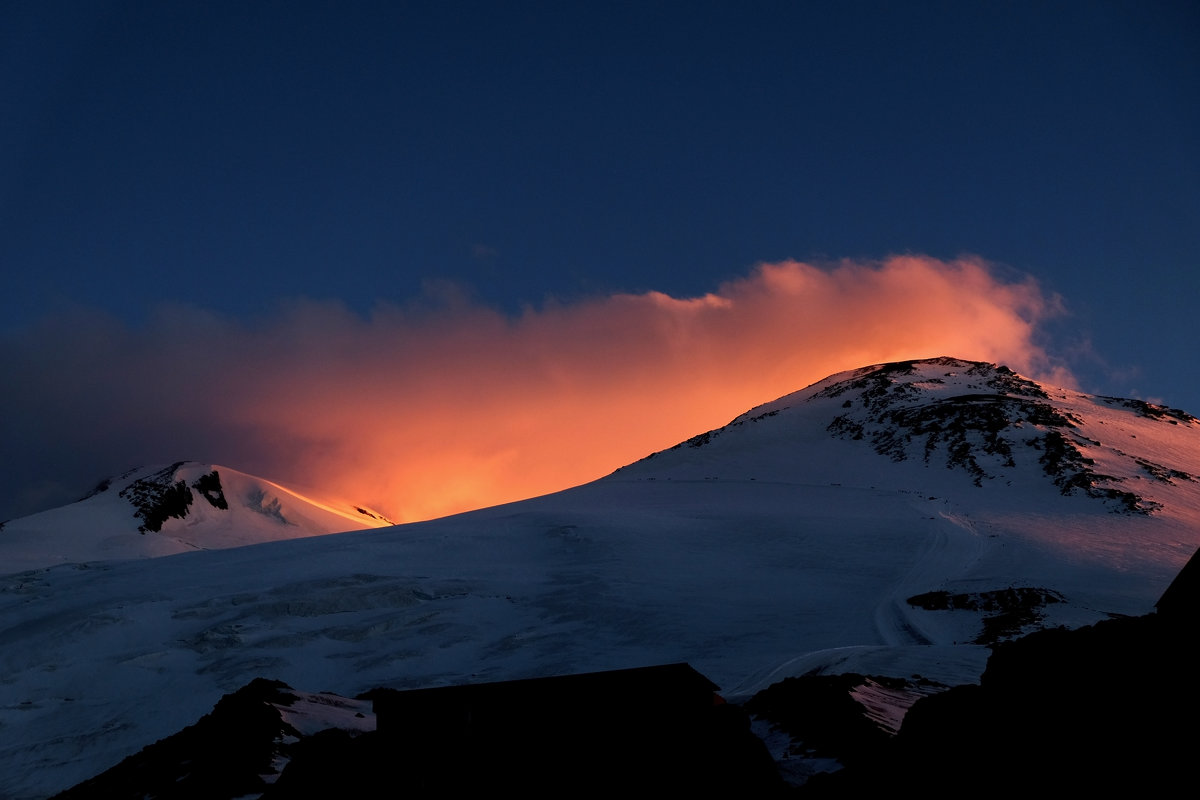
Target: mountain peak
x,y
900,379
977,419
166,509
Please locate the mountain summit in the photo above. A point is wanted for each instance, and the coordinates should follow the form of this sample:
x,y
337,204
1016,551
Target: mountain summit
x,y
982,422
168,509
894,520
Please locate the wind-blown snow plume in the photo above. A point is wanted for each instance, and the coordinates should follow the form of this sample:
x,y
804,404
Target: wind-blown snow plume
x,y
425,411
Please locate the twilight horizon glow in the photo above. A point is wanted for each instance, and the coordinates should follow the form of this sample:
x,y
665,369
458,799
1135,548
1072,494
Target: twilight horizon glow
x,y
446,406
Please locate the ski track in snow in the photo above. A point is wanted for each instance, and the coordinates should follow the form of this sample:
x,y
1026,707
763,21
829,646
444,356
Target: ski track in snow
x,y
951,549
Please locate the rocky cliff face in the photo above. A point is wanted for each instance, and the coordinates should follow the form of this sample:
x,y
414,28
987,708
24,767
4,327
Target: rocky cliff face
x,y
161,495
978,417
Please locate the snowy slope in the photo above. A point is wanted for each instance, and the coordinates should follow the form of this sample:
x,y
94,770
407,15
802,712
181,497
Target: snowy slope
x,y
168,509
787,541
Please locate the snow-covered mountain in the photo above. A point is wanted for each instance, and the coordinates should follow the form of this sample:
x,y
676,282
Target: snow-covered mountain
x,y
977,420
891,520
167,509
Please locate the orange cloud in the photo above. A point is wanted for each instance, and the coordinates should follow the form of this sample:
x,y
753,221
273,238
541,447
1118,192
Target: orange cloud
x,y
421,414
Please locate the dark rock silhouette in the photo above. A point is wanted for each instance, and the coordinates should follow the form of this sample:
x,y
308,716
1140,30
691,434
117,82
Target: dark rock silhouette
x,y
1106,709
225,754
661,730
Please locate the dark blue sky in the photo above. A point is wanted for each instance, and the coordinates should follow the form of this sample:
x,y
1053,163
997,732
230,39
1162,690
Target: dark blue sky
x,y
225,153
231,155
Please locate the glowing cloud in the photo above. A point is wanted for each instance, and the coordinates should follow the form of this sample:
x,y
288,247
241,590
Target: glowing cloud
x,y
421,413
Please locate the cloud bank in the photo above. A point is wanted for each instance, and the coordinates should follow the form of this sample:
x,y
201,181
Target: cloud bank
x,y
436,408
